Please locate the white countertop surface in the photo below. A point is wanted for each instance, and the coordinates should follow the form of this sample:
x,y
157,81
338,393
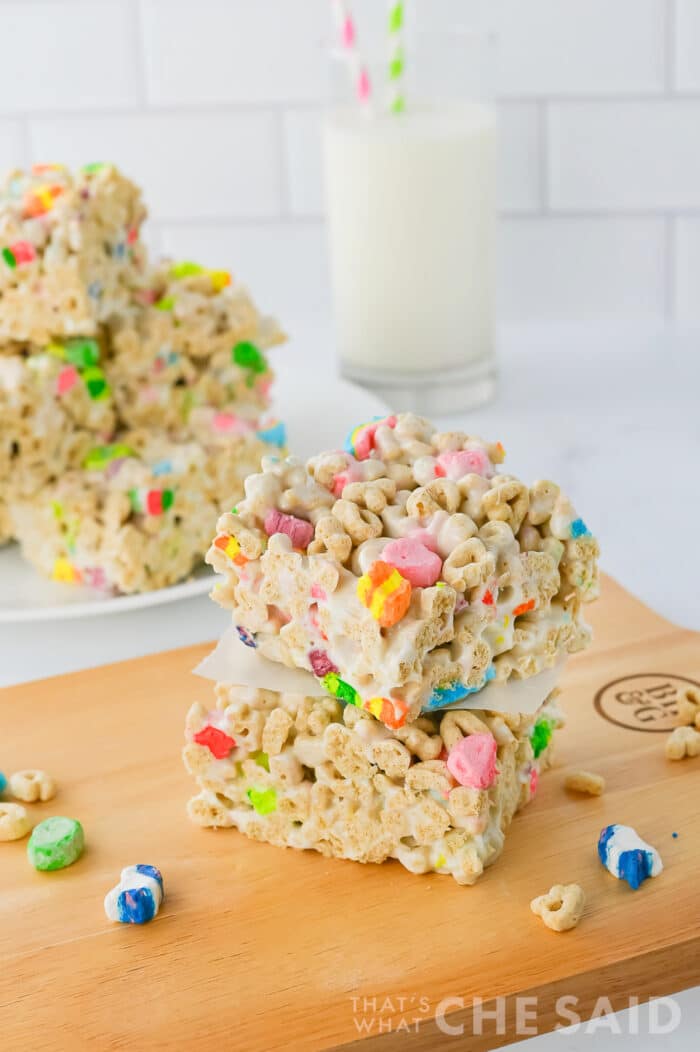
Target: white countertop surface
x,y
610,413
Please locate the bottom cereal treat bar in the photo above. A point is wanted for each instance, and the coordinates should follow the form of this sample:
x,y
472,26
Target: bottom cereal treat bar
x,y
304,772
54,405
5,522
138,515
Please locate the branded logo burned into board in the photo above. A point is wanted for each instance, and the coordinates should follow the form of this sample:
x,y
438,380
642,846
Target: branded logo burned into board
x,y
644,702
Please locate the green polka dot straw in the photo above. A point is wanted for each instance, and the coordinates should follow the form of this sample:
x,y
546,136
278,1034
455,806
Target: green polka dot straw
x,y
396,95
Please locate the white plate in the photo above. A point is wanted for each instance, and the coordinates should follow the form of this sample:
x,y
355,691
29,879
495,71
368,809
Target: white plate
x,y
318,410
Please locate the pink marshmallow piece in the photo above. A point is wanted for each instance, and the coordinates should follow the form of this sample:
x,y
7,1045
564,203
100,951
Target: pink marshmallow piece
x,y
67,378
472,761
299,531
229,423
424,537
364,439
414,561
455,464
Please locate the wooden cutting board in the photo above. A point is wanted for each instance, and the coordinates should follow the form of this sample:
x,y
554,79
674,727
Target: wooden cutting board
x,y
261,948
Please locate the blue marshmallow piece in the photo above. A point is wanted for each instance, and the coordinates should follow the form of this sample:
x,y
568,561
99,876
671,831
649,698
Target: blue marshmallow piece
x,y
579,529
137,897
275,434
3,782
136,907
443,697
624,854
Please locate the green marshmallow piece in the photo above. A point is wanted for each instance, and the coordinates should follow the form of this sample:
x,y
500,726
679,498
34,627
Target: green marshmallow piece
x,y
96,384
541,736
166,499
9,257
56,843
263,800
341,690
100,456
82,353
186,269
262,759
165,303
248,356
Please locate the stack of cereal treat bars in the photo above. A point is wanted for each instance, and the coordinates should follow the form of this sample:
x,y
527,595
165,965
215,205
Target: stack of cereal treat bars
x,y
406,573
132,395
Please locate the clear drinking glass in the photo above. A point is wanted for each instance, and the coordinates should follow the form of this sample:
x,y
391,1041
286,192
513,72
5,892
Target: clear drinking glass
x,y
410,201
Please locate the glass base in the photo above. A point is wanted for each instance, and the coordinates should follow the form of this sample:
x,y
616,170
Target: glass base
x,y
429,394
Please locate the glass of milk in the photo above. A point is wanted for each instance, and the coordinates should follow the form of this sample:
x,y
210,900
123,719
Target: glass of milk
x,y
410,201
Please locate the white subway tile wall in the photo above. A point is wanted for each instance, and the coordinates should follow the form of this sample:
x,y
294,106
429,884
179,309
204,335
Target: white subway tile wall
x,y
214,106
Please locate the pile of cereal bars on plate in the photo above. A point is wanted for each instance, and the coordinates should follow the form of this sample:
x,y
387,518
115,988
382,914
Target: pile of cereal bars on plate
x,y
405,573
133,396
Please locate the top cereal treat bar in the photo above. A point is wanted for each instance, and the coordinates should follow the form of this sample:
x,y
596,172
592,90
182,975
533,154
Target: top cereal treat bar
x,y
70,253
192,310
406,571
192,338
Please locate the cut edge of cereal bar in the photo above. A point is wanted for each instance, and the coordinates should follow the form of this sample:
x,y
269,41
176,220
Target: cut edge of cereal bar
x,y
407,569
310,773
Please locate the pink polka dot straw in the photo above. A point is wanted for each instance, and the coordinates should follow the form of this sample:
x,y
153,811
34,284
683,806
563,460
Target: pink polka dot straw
x,y
348,41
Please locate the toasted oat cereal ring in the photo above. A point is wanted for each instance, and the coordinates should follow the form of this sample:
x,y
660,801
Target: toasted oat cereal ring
x,y
31,785
56,843
385,593
561,908
14,821
585,782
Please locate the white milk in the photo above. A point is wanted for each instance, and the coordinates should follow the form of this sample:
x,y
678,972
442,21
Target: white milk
x,y
411,212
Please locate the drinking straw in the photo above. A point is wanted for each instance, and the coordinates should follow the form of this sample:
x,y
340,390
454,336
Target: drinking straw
x,y
396,97
348,40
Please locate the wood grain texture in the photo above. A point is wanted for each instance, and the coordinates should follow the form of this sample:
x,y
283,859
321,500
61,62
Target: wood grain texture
x,y
257,948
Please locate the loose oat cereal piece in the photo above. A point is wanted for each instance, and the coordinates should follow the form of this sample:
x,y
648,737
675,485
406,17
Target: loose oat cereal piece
x,y
14,821
31,785
585,782
689,708
561,908
682,742
447,575
137,897
306,772
624,854
56,843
